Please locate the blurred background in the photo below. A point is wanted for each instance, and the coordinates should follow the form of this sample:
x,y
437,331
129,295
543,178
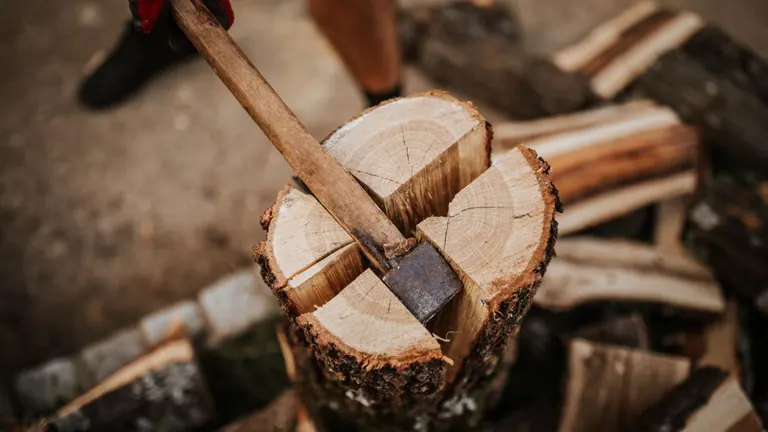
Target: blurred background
x,y
106,216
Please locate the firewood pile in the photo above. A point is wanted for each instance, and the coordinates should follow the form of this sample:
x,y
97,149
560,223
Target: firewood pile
x,y
649,314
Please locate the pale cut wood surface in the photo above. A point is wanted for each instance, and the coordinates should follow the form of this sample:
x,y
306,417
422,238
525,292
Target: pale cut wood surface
x,y
496,233
308,256
334,187
368,322
414,154
592,270
609,386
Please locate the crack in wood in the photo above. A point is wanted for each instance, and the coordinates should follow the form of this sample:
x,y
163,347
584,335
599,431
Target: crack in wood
x,y
375,175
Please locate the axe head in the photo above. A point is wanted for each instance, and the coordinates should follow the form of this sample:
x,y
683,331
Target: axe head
x,y
423,281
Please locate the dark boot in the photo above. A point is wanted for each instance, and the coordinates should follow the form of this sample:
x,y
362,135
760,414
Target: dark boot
x,y
374,99
134,61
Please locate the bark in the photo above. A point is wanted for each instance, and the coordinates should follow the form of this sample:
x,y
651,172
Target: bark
x,y
162,390
362,360
608,386
475,51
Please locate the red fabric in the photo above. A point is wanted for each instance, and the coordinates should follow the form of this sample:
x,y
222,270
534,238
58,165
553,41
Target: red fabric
x,y
149,11
230,13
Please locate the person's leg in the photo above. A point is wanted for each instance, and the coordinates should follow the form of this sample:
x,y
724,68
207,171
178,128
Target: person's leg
x,y
135,59
149,44
364,33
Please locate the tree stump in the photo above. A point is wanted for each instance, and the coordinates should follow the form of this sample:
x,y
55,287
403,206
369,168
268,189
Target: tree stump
x,y
363,361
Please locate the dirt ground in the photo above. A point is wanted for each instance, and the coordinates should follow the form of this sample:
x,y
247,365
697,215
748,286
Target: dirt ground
x,y
107,216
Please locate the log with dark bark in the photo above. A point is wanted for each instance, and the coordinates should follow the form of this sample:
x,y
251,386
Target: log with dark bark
x,y
360,356
609,162
728,230
615,53
162,390
608,387
709,400
474,49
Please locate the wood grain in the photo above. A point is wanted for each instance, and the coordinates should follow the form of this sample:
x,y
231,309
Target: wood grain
x,y
333,186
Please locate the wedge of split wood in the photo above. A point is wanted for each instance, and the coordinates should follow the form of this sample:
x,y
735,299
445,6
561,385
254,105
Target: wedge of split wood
x,y
609,161
608,386
618,51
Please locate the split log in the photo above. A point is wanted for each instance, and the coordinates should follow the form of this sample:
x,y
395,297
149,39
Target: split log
x,y
498,235
709,400
362,359
615,53
474,49
608,387
367,335
307,258
162,390
406,150
590,270
610,161
719,86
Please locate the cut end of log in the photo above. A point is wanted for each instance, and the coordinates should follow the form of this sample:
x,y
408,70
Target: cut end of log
x,y
368,322
307,257
590,270
367,335
405,150
498,237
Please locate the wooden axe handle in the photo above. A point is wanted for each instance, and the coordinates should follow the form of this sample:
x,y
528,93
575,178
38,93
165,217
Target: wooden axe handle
x,y
333,186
